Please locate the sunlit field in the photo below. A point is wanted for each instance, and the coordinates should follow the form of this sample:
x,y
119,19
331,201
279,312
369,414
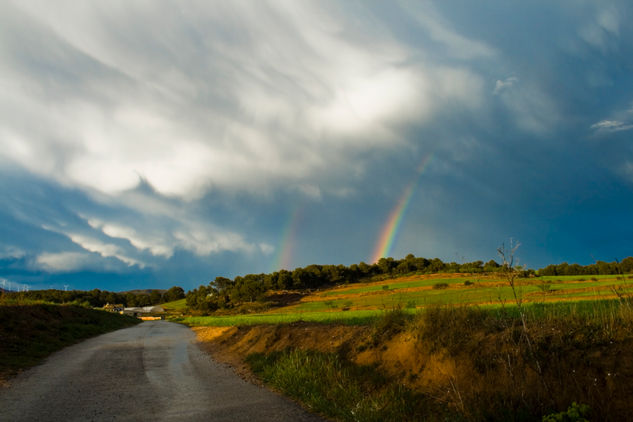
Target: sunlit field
x,y
361,302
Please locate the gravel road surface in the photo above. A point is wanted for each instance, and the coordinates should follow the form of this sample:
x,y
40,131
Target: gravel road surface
x,y
151,372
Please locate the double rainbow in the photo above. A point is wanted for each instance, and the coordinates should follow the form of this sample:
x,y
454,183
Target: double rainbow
x,y
283,260
391,227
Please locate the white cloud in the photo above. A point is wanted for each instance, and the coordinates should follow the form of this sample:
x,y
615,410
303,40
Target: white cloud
x,y
230,95
63,261
611,126
204,241
92,244
8,251
155,243
106,250
501,85
266,248
604,27
186,233
442,32
533,109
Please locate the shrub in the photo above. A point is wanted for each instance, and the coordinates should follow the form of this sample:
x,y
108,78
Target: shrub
x,y
389,324
575,413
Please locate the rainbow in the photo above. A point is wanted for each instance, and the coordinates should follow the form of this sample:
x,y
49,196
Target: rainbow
x,y
283,260
390,229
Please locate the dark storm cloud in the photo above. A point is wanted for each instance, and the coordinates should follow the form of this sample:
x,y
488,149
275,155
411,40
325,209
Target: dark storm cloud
x,y
172,141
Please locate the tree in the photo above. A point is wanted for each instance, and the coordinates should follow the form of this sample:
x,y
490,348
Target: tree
x,y
155,297
511,271
174,293
491,266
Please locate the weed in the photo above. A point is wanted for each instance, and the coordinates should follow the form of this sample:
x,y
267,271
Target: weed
x,y
545,286
31,332
337,388
575,413
389,324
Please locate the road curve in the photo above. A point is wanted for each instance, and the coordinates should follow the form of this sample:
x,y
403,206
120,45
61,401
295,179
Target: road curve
x,y
151,372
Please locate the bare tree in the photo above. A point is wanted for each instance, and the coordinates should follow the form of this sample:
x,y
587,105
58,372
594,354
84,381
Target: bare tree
x,y
511,271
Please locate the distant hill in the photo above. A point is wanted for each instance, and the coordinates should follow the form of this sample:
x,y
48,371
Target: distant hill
x,y
144,291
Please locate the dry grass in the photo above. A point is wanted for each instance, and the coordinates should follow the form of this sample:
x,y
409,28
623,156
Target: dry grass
x,y
474,362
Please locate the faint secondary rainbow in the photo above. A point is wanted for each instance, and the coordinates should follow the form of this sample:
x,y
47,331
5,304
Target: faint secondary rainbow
x,y
283,260
391,227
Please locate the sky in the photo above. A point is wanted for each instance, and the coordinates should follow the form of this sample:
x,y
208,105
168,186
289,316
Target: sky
x,y
146,144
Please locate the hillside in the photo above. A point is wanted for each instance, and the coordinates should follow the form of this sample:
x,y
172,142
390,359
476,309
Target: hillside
x,y
359,302
441,347
30,332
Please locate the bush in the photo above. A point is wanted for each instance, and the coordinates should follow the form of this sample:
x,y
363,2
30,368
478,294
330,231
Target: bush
x,y
390,324
575,413
440,286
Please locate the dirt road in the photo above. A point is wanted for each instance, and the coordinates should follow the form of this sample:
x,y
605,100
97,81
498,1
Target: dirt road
x,y
151,372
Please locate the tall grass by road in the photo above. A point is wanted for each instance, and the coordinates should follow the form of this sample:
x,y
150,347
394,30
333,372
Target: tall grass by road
x,y
31,331
348,318
333,386
486,366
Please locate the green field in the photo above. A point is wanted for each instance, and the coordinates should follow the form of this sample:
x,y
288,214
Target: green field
x,y
398,285
361,303
348,318
176,305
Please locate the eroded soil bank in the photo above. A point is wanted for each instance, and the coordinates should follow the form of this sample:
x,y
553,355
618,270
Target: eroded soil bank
x,y
475,372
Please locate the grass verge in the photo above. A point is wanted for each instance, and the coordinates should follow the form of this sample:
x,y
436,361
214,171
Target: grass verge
x,y
333,386
343,317
463,363
31,332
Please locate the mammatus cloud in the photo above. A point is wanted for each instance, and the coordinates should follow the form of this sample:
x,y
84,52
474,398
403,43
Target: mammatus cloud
x,y
66,262
103,248
153,139
245,104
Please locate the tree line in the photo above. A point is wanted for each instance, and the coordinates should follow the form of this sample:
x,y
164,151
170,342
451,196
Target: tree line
x,y
223,293
600,267
98,298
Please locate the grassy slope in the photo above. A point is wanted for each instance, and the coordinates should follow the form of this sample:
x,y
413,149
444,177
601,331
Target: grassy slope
x,y
176,305
29,333
450,363
359,303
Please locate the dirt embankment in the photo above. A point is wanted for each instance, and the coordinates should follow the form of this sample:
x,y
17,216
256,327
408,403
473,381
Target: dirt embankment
x,y
400,357
231,345
474,373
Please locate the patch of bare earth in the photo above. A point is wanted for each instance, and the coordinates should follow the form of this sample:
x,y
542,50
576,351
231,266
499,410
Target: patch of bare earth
x,y
488,365
400,357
